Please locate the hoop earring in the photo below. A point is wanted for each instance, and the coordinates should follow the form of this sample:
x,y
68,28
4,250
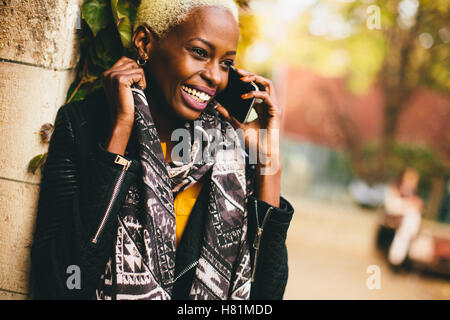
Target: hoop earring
x,y
141,62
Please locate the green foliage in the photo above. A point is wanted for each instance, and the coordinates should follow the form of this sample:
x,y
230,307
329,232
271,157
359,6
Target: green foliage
x,y
404,52
37,163
106,37
424,159
395,56
96,14
45,133
124,13
248,33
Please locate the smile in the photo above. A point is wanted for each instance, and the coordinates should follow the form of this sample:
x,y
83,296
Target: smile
x,y
197,95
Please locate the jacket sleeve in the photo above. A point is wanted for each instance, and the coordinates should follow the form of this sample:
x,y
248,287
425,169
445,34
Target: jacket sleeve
x,y
66,264
269,256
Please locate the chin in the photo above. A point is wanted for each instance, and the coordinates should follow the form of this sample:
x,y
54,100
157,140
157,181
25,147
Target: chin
x,y
184,112
188,114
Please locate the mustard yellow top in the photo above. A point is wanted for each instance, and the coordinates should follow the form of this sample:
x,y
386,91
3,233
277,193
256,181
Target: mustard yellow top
x,y
183,203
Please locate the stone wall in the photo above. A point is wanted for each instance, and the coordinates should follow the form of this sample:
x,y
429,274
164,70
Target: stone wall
x,y
38,56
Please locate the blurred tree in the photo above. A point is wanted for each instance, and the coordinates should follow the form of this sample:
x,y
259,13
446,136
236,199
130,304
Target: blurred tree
x,y
417,54
400,45
397,45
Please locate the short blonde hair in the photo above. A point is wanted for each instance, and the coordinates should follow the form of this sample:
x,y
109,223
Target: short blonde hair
x,y
162,15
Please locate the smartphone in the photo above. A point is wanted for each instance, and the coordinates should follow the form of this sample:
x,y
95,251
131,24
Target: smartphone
x,y
231,99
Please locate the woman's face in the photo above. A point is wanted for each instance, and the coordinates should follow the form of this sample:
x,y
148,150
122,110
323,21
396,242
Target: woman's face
x,y
190,65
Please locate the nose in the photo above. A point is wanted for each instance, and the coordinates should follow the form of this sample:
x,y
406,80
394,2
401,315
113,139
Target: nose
x,y
212,74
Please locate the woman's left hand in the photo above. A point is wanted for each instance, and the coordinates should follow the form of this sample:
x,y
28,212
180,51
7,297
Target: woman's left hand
x,y
267,127
268,110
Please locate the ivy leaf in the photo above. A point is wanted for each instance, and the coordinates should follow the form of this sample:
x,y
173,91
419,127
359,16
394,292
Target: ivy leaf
x,y
125,32
114,10
123,9
37,163
79,95
124,13
46,132
108,47
96,14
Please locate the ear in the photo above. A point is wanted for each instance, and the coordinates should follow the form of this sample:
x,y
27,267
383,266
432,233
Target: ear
x,y
143,40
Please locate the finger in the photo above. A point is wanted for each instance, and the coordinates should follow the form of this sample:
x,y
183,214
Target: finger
x,y
243,72
263,95
125,71
142,81
223,111
263,83
127,79
232,120
122,60
129,65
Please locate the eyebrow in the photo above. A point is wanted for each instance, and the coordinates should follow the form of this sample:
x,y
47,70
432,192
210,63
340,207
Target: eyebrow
x,y
212,47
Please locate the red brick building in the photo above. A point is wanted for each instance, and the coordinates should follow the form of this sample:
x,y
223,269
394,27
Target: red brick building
x,y
320,109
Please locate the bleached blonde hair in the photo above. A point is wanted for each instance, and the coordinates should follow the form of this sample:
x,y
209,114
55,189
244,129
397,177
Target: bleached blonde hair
x,y
162,15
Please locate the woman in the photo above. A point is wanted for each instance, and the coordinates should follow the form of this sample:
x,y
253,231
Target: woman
x,y
138,224
402,215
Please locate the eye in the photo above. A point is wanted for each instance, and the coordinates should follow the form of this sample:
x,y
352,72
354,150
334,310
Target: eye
x,y
202,53
228,63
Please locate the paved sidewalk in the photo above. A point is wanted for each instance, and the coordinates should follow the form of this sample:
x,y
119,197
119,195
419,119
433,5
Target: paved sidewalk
x,y
330,248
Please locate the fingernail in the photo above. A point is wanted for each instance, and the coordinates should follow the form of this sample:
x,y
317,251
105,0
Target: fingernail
x,y
244,78
244,95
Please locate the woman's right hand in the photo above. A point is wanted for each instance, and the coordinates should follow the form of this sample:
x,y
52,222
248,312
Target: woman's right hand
x,y
117,83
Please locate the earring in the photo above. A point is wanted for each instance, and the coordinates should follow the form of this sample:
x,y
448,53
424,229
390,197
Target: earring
x,y
142,61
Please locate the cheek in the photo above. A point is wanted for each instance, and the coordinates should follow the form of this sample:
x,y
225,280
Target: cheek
x,y
224,82
177,69
187,67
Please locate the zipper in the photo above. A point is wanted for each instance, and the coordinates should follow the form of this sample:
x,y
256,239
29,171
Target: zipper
x,y
258,236
125,165
189,267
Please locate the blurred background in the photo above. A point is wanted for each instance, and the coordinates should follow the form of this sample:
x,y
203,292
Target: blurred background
x,y
364,86
366,141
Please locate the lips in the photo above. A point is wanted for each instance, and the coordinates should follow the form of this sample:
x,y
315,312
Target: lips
x,y
197,97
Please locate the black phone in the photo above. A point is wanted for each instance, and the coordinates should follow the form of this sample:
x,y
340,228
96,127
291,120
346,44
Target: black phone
x,y
231,99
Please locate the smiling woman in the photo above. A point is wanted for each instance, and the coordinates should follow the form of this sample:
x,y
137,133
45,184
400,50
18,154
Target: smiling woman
x,y
192,56
139,224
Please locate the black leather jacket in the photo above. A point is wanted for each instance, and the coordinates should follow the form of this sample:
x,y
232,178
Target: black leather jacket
x,y
82,189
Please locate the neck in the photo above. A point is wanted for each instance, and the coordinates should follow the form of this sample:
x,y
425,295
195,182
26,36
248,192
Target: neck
x,y
165,122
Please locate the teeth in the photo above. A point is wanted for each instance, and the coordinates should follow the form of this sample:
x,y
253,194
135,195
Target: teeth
x,y
197,95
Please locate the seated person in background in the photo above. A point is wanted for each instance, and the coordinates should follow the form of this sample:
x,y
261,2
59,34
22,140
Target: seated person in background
x,y
403,210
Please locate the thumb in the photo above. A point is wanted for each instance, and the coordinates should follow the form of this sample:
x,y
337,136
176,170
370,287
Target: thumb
x,y
224,112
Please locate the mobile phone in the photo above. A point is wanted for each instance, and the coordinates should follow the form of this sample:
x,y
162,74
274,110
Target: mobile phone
x,y
231,98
